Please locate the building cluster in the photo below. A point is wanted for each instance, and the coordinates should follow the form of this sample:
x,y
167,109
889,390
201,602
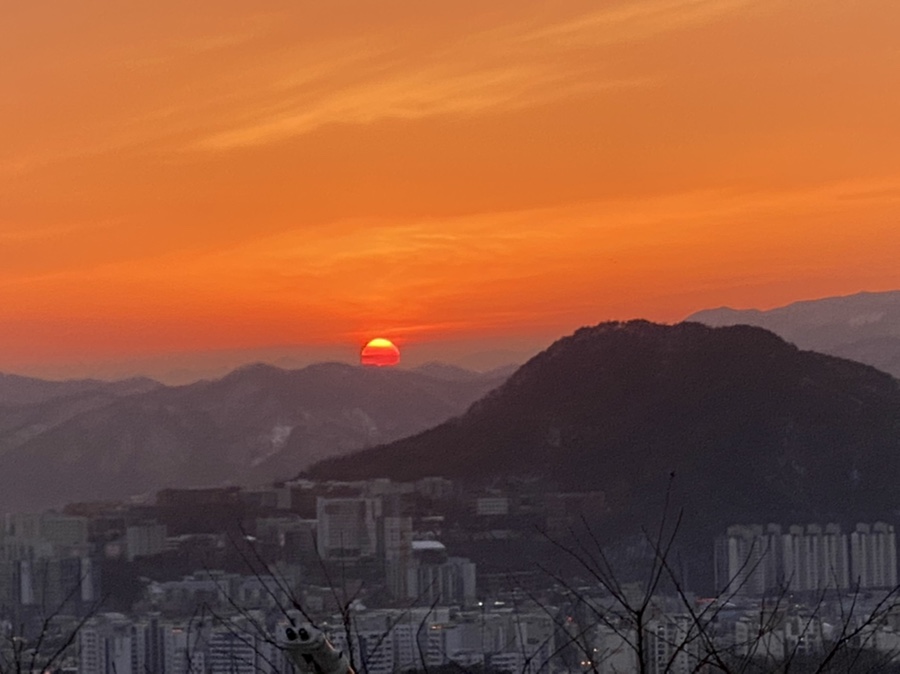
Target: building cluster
x,y
681,634
362,528
113,642
380,641
677,635
423,573
46,559
401,546
499,637
759,560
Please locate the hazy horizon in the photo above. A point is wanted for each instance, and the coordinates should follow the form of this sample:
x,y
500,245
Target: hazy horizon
x,y
185,367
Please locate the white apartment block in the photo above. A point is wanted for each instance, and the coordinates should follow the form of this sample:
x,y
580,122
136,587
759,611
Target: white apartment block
x,y
873,551
672,646
739,560
105,646
237,650
755,560
376,652
181,652
815,558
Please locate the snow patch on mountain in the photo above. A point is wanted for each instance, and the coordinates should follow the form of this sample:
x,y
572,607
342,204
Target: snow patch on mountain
x,y
277,439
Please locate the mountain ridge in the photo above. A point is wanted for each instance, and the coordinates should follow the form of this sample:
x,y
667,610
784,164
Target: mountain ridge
x,y
863,326
18,389
773,430
251,426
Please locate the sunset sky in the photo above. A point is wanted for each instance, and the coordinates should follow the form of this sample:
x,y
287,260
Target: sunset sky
x,y
185,179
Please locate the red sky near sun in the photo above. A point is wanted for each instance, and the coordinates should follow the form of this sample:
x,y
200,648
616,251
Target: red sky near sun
x,y
218,176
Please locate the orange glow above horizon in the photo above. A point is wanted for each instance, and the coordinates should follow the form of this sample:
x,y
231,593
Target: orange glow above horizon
x,y
189,177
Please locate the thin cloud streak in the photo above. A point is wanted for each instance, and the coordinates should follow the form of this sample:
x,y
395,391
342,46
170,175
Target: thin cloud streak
x,y
407,267
479,77
427,93
636,21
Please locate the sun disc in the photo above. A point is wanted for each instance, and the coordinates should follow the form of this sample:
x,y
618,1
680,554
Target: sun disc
x,y
379,352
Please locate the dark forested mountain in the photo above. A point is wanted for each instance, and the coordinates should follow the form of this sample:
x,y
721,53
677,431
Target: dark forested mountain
x,y
863,327
751,427
257,424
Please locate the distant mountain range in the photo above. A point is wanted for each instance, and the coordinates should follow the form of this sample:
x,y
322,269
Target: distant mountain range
x,y
863,327
751,427
28,390
88,440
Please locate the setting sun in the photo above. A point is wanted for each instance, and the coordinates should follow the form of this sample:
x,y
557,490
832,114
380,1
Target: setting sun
x,y
379,352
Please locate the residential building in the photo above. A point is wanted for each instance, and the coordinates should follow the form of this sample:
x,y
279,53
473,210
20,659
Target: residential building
x,y
874,555
347,528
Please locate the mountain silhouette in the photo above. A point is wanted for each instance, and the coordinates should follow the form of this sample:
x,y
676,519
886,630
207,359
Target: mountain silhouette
x,y
752,428
17,390
863,327
254,425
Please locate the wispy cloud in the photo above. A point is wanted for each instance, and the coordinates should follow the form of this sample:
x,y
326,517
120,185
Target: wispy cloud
x,y
453,275
635,21
500,69
443,255
281,89
415,95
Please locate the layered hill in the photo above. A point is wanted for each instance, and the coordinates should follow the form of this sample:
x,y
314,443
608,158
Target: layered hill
x,y
16,390
863,327
751,427
254,425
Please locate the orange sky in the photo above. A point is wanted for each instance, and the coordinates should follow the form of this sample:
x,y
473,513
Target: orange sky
x,y
224,176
